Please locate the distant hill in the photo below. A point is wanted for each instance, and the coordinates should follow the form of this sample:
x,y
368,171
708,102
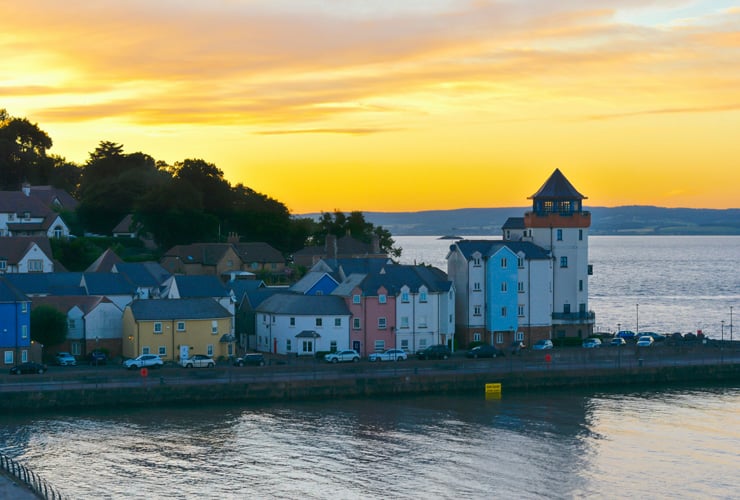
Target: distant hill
x,y
626,220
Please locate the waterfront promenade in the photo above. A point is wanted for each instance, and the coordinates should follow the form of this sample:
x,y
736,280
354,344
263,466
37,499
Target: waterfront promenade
x,y
11,488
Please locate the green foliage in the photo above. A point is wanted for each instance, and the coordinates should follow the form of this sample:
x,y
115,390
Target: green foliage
x,y
48,325
23,148
354,225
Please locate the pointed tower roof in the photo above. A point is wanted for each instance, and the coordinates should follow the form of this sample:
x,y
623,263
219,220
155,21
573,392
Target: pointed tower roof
x,y
557,187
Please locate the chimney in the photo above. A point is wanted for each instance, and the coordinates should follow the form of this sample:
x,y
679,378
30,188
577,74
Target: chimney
x,y
233,237
330,247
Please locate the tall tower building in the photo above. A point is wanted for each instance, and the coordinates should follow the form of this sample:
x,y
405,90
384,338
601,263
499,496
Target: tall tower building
x,y
558,224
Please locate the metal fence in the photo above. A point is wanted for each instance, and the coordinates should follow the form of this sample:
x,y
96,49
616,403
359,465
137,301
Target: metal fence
x,y
35,483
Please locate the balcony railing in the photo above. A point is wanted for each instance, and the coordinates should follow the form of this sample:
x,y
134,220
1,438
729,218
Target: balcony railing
x,y
589,316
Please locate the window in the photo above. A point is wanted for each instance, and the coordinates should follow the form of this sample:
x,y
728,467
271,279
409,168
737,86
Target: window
x,y
3,264
519,336
404,296
214,327
503,286
209,349
180,326
355,299
157,327
580,285
405,344
333,346
423,321
307,346
476,310
404,321
520,262
504,264
381,323
356,323
35,265
422,296
162,350
520,287
24,307
145,349
292,321
255,265
476,287
382,298
24,331
319,322
24,356
8,357
76,348
57,232
559,234
476,262
476,337
27,215
288,345
337,322
503,312
422,343
499,338
520,310
566,308
563,261
580,235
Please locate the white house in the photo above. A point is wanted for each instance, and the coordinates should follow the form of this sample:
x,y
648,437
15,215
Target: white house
x,y
25,254
288,323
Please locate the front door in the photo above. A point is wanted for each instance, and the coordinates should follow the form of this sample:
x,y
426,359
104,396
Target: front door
x,y
356,345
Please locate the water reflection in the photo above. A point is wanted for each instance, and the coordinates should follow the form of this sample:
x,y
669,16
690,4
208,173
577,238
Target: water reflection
x,y
526,445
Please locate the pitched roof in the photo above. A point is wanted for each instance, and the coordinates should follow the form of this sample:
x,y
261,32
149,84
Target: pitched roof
x,y
304,305
126,226
54,197
57,283
514,223
16,202
309,280
142,274
174,309
208,254
557,187
107,284
14,248
9,293
104,263
203,285
86,303
488,247
257,251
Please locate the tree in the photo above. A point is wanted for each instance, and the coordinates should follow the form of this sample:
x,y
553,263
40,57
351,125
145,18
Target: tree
x,y
23,148
355,226
48,325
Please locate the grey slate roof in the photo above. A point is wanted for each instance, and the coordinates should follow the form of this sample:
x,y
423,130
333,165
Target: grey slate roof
x,y
174,309
204,285
489,247
258,251
14,248
10,294
514,223
393,277
48,283
107,284
304,305
104,263
143,274
557,187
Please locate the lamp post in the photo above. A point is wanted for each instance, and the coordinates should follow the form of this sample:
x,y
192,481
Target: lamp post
x,y
637,320
730,323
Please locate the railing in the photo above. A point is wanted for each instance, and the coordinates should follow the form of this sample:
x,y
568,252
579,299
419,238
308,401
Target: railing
x,y
35,483
575,316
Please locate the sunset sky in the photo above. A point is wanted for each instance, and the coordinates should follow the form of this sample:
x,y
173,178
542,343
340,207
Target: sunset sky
x,y
400,105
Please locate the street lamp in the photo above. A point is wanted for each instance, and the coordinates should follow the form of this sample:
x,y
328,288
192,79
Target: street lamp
x,y
723,331
730,323
637,320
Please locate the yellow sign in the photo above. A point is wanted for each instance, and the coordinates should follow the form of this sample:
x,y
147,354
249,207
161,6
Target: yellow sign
x,y
493,390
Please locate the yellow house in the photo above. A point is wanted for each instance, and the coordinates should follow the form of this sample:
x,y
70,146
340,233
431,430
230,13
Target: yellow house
x,y
173,328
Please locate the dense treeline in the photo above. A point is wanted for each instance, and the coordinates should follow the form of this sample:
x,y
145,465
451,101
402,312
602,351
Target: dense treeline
x,y
187,202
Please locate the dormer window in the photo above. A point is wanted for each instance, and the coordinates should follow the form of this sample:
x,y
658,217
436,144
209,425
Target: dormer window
x,y
26,215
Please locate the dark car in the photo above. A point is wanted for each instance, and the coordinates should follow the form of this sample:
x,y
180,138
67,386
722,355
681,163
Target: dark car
x,y
440,351
252,359
516,347
484,351
97,358
28,367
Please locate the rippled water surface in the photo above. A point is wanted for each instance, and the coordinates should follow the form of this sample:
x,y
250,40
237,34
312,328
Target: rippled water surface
x,y
646,444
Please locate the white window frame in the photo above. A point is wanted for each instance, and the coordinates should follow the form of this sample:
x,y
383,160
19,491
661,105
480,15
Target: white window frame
x,y
157,328
180,326
214,327
379,345
382,298
382,323
355,323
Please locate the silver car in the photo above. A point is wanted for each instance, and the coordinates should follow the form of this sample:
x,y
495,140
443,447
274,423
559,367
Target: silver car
x,y
345,356
198,361
144,361
389,355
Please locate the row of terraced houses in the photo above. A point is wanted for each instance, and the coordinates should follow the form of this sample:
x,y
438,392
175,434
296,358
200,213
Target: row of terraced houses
x,y
205,298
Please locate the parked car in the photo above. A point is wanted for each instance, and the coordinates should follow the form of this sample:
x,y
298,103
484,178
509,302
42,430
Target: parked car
x,y
517,347
657,337
349,355
65,359
626,335
542,345
144,361
591,343
251,359
198,361
28,367
617,341
97,358
645,341
389,355
439,351
484,351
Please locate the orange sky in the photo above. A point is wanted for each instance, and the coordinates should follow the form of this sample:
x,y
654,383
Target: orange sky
x,y
430,104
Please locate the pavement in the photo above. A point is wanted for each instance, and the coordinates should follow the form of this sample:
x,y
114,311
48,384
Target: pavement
x,y
13,489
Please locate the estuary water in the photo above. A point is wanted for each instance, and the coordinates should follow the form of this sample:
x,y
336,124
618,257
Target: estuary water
x,y
634,442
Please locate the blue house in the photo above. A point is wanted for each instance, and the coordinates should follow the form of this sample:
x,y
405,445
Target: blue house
x,y
15,324
501,275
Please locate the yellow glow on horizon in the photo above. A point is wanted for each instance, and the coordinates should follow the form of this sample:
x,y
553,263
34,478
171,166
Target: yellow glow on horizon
x,y
441,105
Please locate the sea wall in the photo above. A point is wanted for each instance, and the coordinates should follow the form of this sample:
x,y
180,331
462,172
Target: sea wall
x,y
159,392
